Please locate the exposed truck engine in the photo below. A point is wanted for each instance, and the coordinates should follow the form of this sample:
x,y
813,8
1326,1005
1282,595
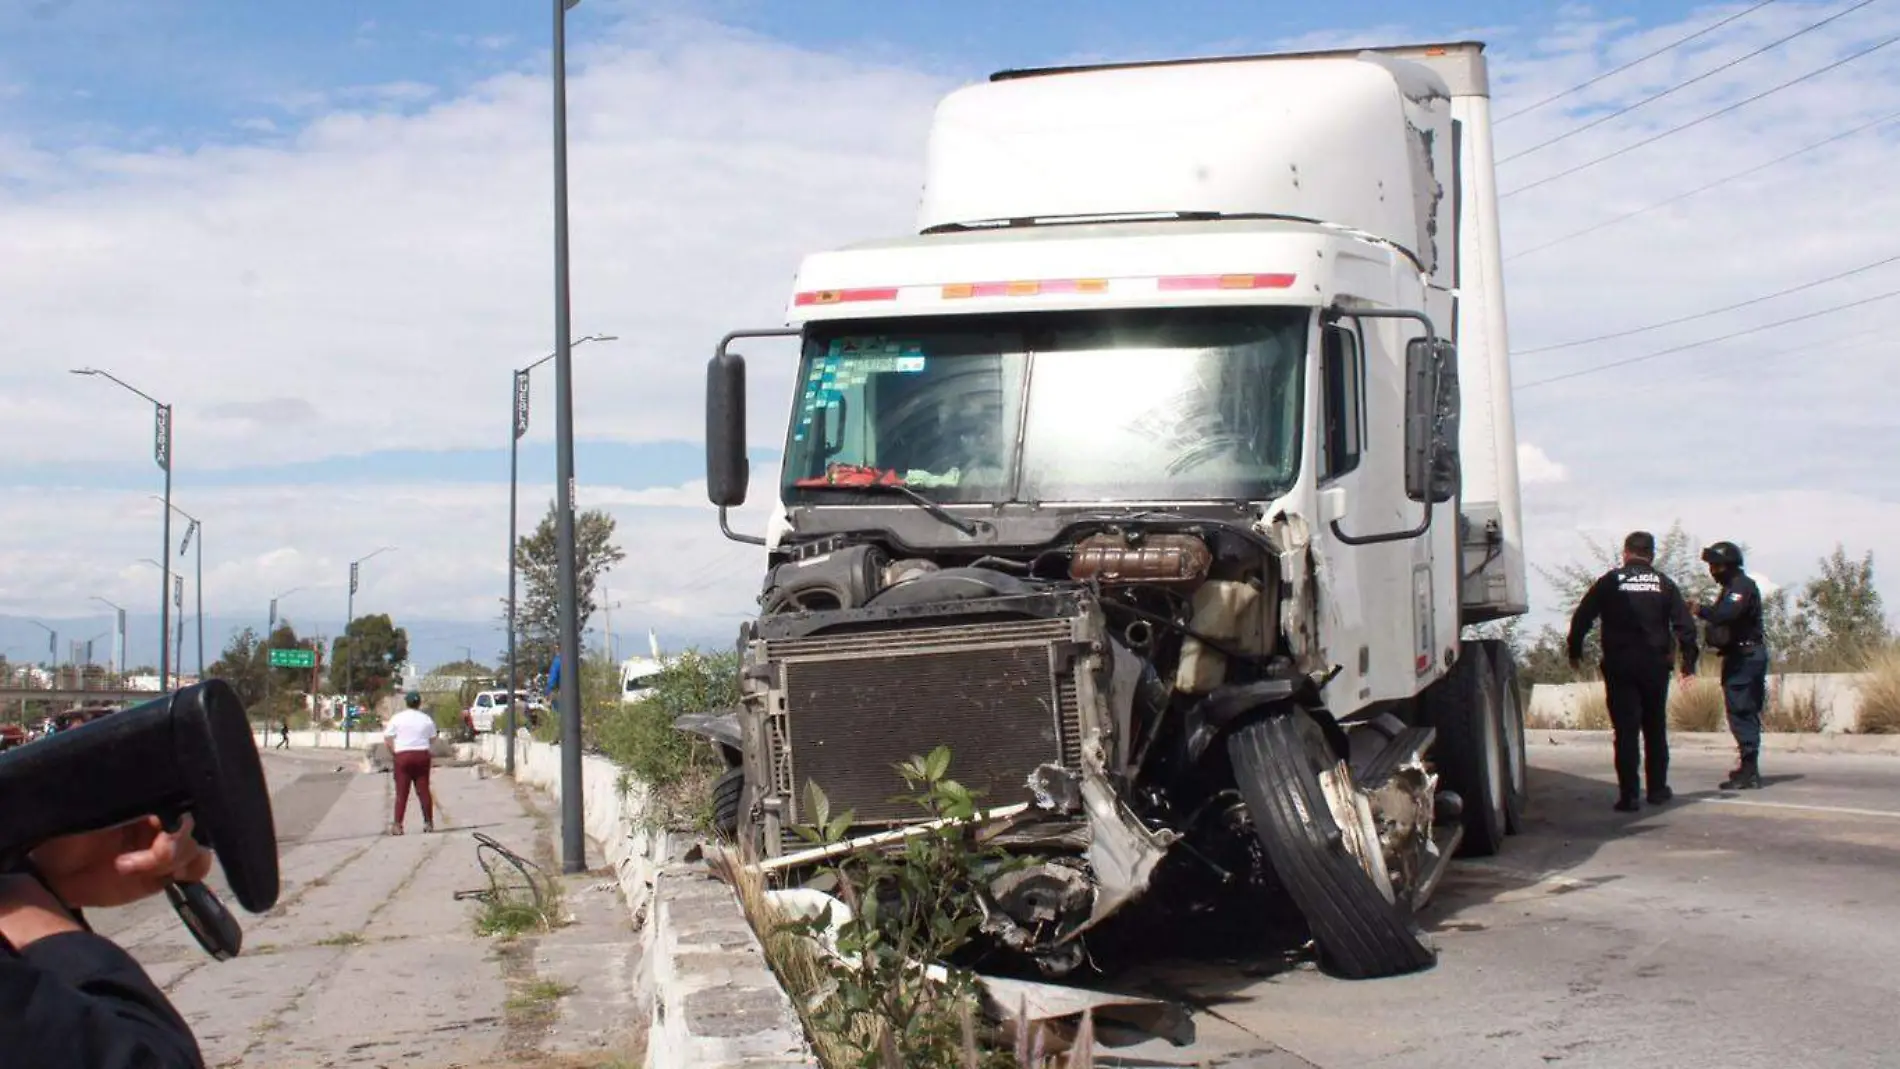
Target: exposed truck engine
x,y
1158,476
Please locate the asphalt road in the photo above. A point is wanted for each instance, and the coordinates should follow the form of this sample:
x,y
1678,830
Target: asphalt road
x,y
1724,930
368,959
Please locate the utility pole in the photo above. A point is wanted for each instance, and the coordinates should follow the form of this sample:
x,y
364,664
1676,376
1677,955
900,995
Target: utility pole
x,y
573,841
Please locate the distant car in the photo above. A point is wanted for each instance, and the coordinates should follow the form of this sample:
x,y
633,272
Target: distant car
x,y
491,706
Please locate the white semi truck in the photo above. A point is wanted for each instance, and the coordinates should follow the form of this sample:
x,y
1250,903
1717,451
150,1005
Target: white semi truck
x,y
1158,475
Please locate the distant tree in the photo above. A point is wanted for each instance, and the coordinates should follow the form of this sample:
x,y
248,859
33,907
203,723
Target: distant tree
x,y
366,657
242,665
1842,609
462,667
538,631
286,680
1678,556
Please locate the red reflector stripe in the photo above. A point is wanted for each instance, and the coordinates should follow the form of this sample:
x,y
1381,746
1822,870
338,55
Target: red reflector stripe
x,y
1036,287
883,293
1225,282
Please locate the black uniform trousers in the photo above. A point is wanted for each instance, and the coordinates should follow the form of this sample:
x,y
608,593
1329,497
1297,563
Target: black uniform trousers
x,y
1638,696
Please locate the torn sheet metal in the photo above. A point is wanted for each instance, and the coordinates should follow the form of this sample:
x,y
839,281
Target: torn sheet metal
x,y
1122,852
1120,1020
1291,539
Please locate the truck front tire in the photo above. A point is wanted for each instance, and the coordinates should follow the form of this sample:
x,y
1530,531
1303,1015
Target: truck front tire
x,y
727,793
1277,762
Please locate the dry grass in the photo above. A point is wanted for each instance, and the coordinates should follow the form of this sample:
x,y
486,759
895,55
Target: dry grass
x,y
1792,713
1880,694
796,961
1544,722
1593,710
1698,707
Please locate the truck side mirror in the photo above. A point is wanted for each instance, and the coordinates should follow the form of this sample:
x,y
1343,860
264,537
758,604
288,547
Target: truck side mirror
x,y
1431,420
727,470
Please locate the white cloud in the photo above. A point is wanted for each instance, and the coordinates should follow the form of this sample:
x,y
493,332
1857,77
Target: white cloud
x,y
366,281
1535,466
376,258
450,560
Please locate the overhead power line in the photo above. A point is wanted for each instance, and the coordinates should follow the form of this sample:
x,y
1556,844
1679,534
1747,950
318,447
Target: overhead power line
x,y
1626,216
1744,102
1710,73
1644,58
1710,312
1834,345
1627,361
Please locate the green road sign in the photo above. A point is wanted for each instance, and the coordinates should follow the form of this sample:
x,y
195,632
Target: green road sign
x,y
293,658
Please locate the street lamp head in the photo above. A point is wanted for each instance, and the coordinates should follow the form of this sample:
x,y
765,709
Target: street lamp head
x,y
84,371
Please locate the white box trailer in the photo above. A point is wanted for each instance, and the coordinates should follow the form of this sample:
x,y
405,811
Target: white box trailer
x,y
1162,465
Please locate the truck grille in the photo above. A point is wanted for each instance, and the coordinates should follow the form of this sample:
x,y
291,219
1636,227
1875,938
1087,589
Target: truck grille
x,y
1000,695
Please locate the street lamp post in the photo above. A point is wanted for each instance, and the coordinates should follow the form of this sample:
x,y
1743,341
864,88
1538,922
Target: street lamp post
x,y
573,842
270,635
195,527
349,644
52,648
162,453
87,671
118,654
165,647
521,413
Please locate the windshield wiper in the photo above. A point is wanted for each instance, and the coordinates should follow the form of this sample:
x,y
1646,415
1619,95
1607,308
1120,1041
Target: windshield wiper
x,y
888,482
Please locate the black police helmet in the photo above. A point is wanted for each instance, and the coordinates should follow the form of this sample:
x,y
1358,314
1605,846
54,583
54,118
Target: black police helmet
x,y
1723,554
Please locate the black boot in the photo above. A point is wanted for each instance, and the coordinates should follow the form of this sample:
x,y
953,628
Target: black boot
x,y
1627,804
1745,778
1659,795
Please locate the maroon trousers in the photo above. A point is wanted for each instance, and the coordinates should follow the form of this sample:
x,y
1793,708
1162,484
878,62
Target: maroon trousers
x,y
412,766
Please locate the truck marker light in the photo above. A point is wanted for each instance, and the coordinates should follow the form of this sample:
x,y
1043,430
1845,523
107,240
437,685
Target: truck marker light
x,y
955,291
884,293
1226,282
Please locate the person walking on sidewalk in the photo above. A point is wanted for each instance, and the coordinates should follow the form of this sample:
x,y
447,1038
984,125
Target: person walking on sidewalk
x,y
283,734
409,734
1732,627
1641,610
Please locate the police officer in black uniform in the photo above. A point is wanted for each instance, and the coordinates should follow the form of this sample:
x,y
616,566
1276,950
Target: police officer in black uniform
x,y
1641,610
1732,627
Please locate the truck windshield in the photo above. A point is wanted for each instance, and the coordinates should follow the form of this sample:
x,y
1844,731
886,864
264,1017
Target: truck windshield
x,y
1189,404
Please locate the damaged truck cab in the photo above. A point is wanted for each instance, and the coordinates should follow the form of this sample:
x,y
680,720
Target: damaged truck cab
x,y
1157,476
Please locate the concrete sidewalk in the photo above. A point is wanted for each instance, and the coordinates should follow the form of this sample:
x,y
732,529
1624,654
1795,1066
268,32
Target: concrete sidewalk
x,y
368,959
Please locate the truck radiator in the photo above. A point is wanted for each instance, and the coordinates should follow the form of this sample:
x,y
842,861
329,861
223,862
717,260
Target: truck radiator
x,y
1001,695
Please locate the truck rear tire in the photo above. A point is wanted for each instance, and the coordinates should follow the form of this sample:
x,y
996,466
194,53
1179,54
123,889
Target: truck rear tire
x,y
1511,722
727,793
1277,764
1469,751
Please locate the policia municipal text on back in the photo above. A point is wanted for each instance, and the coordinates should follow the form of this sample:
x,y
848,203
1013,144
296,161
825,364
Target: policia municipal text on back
x,y
1642,611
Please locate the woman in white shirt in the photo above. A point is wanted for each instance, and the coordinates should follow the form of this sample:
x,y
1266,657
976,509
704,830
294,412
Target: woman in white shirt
x,y
408,735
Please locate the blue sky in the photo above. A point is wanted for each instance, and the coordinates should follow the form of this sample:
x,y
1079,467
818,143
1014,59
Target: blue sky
x,y
183,72
321,229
